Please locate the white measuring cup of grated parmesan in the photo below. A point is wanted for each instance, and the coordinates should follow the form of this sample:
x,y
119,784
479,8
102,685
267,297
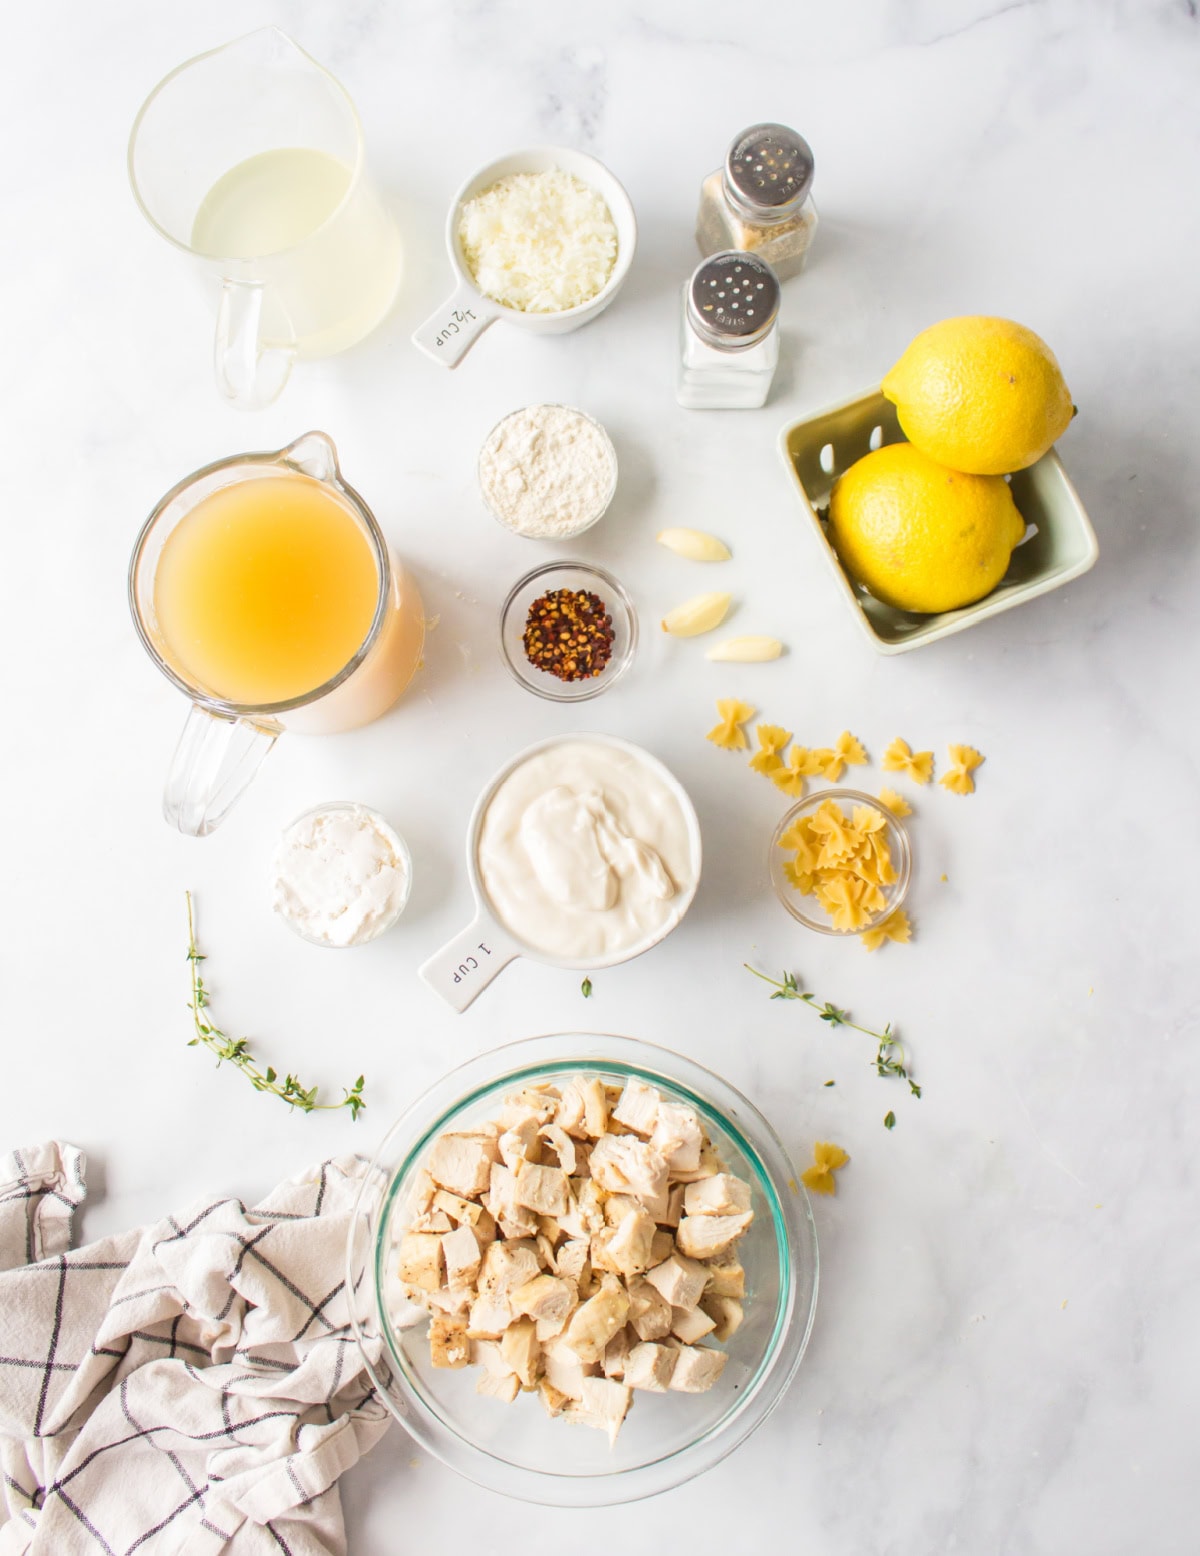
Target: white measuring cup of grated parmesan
x,y
450,332
464,967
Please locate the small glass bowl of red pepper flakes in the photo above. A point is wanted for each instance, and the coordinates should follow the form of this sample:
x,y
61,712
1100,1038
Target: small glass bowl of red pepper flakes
x,y
568,630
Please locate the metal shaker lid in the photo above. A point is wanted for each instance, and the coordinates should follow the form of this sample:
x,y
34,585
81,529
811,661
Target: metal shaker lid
x,y
733,299
769,172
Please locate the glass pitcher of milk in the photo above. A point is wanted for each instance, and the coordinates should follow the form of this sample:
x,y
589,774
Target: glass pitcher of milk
x,y
250,159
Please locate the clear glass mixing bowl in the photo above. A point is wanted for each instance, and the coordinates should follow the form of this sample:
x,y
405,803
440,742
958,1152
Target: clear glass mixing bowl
x,y
518,1449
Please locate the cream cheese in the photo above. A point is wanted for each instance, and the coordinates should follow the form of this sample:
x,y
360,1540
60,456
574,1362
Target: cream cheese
x,y
585,851
341,875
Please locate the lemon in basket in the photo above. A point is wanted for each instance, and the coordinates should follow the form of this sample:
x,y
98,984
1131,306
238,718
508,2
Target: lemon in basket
x,y
920,536
981,395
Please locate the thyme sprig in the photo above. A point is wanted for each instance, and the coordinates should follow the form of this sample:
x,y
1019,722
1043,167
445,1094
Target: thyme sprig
x,y
236,1050
890,1056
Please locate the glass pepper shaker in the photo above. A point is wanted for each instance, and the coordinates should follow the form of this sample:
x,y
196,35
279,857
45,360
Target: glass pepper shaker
x,y
761,200
729,340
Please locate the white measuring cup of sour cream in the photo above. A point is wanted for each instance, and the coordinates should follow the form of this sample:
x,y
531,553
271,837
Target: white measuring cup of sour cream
x,y
583,851
451,330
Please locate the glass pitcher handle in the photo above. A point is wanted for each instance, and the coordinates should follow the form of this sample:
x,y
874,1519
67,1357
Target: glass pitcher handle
x,y
215,759
249,374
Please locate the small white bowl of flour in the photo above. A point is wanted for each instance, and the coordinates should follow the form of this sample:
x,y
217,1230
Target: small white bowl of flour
x,y
547,472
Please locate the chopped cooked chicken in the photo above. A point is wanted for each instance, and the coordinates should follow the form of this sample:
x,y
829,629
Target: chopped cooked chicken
x,y
720,1195
615,1353
595,1321
702,1236
543,1190
560,1142
449,1345
726,1313
460,1250
697,1368
679,1280
544,1297
604,1405
519,1144
579,1243
649,1366
462,1163
421,1260
677,1137
520,1349
649,1311
638,1106
690,1324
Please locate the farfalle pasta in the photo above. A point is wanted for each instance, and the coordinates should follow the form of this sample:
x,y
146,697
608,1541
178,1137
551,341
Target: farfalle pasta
x,y
729,734
842,861
771,740
895,927
827,1159
896,803
899,758
963,762
847,752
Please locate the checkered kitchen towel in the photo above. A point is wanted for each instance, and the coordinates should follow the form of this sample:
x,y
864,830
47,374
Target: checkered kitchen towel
x,y
190,1387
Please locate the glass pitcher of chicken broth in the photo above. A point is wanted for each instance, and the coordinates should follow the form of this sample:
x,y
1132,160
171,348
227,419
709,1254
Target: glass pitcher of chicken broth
x,y
263,587
250,160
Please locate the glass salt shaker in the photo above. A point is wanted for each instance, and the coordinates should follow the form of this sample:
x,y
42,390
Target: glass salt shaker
x,y
729,344
761,200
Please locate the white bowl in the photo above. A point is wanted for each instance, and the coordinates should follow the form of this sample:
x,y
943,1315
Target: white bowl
x,y
450,332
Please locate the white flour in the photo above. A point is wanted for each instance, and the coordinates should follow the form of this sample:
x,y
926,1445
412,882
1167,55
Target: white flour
x,y
547,471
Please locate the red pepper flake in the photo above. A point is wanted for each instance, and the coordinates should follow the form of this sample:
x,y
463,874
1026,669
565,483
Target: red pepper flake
x,y
569,633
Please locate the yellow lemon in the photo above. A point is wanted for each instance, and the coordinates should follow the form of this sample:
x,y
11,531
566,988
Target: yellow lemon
x,y
982,395
919,536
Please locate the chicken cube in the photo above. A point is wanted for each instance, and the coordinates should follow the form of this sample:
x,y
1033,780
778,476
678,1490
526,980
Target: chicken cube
x,y
662,1246
638,1106
679,1280
519,1144
489,1317
726,1277
431,1221
630,1246
514,1220
543,1297
421,1260
677,1136
690,1324
447,1301
702,1236
595,1321
615,1353
563,1147
600,1258
571,1258
549,1228
449,1345
618,1206
506,1266
726,1313
623,1164
604,1405
563,1369
553,1399
649,1366
697,1368
504,1389
649,1311
585,1213
542,1189
424,1193
583,1110
709,1165
462,1163
720,1195
520,1349
674,1205
463,1212
460,1251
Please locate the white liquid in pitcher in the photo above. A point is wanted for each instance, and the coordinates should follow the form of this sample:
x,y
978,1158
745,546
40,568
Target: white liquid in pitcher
x,y
328,281
269,202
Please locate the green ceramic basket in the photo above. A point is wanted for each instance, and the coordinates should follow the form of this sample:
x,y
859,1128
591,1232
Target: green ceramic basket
x,y
1059,543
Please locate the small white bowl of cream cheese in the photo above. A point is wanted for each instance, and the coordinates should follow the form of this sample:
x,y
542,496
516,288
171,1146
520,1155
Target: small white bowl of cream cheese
x,y
583,852
341,875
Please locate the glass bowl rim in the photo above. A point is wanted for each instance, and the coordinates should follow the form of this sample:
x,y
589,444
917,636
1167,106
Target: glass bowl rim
x,y
899,889
610,493
402,849
793,1226
615,668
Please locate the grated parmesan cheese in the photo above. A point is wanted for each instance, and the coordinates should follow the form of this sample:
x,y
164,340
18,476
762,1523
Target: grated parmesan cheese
x,y
539,242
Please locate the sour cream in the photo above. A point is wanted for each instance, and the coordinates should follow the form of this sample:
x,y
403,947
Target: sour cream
x,y
586,851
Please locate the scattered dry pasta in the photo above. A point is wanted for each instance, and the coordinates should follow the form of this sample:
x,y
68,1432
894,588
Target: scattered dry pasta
x,y
771,740
898,758
895,927
847,752
963,762
827,1159
896,803
790,775
728,734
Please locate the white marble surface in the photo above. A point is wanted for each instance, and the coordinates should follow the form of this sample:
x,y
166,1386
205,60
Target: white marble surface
x,y
1005,1356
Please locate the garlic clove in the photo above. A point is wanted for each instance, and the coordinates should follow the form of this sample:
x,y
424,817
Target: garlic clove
x,y
700,614
695,544
745,650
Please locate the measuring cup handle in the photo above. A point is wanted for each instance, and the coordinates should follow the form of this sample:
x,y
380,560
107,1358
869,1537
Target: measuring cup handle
x,y
449,333
466,965
249,374
215,759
